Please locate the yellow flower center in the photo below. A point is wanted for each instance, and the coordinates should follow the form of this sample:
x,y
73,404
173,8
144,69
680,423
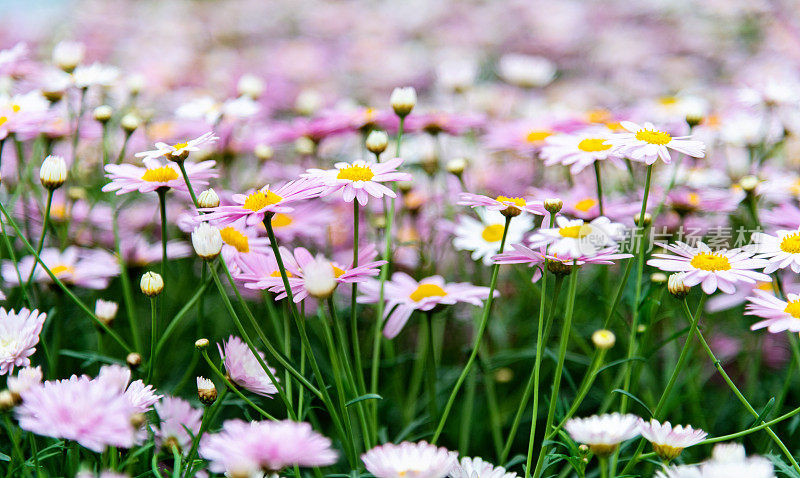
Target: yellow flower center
x,y
667,452
61,269
160,175
58,211
519,202
585,204
234,238
694,199
791,243
493,233
708,261
258,200
281,220
793,309
598,116
668,100
180,145
337,272
277,273
593,145
355,173
16,108
427,290
765,286
653,137
537,136
576,232
3,120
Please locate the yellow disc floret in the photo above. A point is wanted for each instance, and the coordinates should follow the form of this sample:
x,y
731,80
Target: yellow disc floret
x,y
234,238
653,136
259,200
791,243
593,145
708,261
493,233
160,175
427,290
355,173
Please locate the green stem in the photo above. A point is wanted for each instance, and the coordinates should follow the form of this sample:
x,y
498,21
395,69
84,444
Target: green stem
x,y
153,333
359,369
431,367
45,222
599,187
235,390
188,183
127,290
481,329
162,202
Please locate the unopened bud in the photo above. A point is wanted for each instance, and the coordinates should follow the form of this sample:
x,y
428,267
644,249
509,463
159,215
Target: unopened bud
x,y
553,205
319,278
53,172
67,55
305,146
377,141
603,339
206,391
250,85
138,419
693,119
404,186
136,83
106,311
7,400
648,219
676,286
201,344
129,123
749,184
151,284
504,375
456,166
207,241
263,152
102,113
559,268
658,278
133,359
403,100
208,198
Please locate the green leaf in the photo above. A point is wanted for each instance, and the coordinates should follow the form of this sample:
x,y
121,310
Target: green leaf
x,y
368,396
634,398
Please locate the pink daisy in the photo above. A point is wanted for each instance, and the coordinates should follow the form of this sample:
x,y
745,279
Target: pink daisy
x,y
511,206
116,377
668,441
360,179
250,448
578,150
179,150
531,257
780,315
576,237
404,295
253,207
177,418
19,334
721,269
126,178
410,460
244,369
647,144
241,243
89,268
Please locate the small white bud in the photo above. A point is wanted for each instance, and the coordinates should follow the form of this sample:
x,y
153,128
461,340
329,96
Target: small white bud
x,y
403,100
263,152
206,391
377,141
25,379
304,146
102,113
250,85
676,286
53,172
603,339
456,166
526,71
553,205
130,122
749,183
67,55
319,278
151,284
136,83
207,241
208,198
106,310
308,102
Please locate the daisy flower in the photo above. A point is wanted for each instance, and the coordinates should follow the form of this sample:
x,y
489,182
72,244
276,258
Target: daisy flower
x,y
729,459
359,180
482,237
478,468
647,144
178,151
26,378
603,433
409,460
531,257
720,269
19,334
89,268
578,150
576,237
126,178
244,369
80,409
253,207
781,250
141,396
249,448
780,315
404,295
177,419
241,243
508,206
95,74
668,441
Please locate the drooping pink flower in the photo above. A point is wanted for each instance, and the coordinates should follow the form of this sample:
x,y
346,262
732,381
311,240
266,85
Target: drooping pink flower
x,y
176,416
19,334
780,315
243,448
244,369
89,268
141,396
508,205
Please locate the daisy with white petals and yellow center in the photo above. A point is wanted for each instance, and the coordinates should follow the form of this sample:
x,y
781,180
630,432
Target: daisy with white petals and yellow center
x,y
648,143
360,179
578,150
576,237
482,237
781,250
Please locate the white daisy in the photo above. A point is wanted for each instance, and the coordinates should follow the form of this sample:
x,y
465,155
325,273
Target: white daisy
x,y
409,460
781,250
578,150
668,441
603,433
779,315
483,237
576,238
478,468
179,150
647,144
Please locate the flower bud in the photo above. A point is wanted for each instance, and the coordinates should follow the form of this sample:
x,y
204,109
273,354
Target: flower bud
x,y
207,241
403,100
658,278
456,166
106,311
749,184
206,391
308,102
305,146
404,186
377,141
7,400
25,379
129,123
102,113
138,419
250,85
67,55
135,83
208,198
133,359
201,344
676,286
319,278
263,152
648,219
151,284
603,339
553,205
559,268
504,375
53,172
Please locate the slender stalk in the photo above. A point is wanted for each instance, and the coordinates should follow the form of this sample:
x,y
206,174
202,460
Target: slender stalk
x,y
188,183
359,369
45,222
562,353
162,203
12,255
153,334
127,291
481,329
599,187
431,367
231,386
